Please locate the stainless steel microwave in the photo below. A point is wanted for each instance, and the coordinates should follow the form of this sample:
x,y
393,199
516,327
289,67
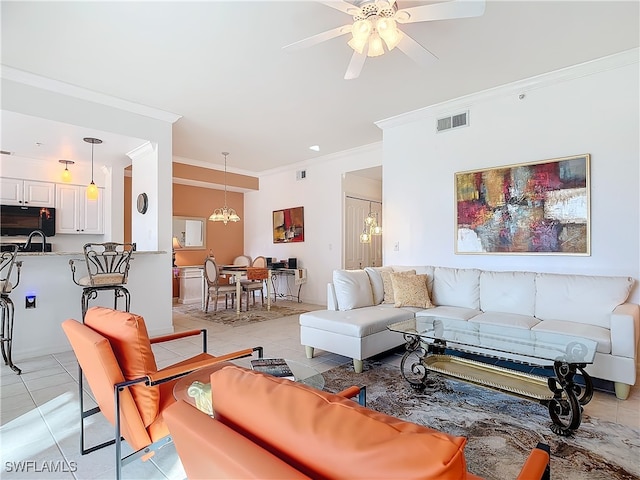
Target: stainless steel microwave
x,y
18,220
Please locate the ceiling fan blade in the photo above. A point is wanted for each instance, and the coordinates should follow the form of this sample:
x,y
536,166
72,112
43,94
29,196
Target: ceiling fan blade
x,y
416,52
340,5
320,37
441,11
355,65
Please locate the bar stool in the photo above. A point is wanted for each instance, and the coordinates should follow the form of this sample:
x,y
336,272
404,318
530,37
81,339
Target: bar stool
x,y
7,262
107,269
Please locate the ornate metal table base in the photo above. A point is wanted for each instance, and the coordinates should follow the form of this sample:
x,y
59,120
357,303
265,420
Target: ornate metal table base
x,y
563,397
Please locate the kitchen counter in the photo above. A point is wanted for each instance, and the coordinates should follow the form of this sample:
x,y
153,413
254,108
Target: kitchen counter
x,y
45,254
47,276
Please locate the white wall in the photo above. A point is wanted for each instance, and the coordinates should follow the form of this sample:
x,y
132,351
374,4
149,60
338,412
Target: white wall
x,y
144,179
592,108
321,196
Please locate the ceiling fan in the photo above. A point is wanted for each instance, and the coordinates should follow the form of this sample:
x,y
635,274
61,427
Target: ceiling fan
x,y
375,23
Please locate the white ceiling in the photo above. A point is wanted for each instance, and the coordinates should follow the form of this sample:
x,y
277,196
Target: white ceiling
x,y
220,65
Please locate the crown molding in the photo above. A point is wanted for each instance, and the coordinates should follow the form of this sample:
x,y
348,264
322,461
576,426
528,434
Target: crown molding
x,y
37,81
370,147
618,60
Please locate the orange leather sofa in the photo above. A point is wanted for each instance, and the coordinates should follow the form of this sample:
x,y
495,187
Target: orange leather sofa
x,y
271,428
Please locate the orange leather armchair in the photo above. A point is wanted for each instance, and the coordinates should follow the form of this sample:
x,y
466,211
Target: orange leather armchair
x,y
114,352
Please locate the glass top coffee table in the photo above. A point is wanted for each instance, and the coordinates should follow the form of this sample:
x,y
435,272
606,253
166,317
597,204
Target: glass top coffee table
x,y
195,388
427,339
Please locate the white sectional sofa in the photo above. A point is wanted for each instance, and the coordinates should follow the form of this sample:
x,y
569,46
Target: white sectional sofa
x,y
594,307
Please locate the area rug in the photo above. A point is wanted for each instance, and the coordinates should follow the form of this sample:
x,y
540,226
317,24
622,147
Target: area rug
x,y
229,316
501,429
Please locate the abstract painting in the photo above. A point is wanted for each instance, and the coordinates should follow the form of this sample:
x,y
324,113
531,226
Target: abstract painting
x,y
530,208
288,225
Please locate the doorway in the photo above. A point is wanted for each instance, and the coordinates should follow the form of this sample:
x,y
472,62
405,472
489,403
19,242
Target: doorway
x,y
358,254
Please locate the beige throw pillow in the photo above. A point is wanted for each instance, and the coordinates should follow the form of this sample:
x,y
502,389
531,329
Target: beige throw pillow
x,y
387,285
410,291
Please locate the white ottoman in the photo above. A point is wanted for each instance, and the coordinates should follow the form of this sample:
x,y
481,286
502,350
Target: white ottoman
x,y
359,333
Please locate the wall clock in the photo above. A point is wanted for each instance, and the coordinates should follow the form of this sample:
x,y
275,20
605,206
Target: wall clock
x,y
143,203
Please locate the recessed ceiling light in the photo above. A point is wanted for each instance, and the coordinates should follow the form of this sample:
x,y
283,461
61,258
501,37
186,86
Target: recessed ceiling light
x,y
315,148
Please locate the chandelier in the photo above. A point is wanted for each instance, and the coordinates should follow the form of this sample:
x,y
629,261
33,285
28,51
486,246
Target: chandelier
x,y
372,25
224,214
371,227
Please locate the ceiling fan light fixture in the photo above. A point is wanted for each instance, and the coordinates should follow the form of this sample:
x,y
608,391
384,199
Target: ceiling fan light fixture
x,y
361,31
375,46
357,44
388,31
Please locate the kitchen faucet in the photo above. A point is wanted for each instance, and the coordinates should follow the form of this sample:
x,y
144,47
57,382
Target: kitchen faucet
x,y
30,237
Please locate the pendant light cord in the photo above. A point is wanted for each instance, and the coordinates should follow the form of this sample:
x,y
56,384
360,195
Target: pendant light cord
x,y
92,162
225,178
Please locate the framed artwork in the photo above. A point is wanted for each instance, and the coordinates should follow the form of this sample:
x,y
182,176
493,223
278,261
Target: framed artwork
x,y
529,208
288,225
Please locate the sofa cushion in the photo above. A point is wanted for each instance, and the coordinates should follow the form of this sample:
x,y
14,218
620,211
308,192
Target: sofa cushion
x,y
509,292
129,340
358,323
456,287
592,332
353,289
410,290
328,436
444,311
502,319
582,299
388,286
377,286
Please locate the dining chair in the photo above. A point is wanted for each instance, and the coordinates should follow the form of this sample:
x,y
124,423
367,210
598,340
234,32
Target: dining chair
x,y
242,261
115,356
256,276
214,288
239,261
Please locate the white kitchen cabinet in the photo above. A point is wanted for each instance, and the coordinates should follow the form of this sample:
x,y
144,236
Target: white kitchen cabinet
x,y
30,193
75,213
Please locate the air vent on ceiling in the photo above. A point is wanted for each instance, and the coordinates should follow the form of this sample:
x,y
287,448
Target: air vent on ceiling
x,y
301,174
454,121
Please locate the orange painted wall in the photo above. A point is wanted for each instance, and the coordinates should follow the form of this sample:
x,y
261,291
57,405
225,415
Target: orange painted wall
x,y
225,241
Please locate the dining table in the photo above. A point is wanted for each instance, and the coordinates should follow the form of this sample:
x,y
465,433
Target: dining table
x,y
238,272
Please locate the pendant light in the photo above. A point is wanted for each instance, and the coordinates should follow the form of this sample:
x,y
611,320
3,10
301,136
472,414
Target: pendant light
x,y
224,214
92,190
371,226
66,174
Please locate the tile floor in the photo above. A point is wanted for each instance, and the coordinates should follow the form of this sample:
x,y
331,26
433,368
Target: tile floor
x,y
39,424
